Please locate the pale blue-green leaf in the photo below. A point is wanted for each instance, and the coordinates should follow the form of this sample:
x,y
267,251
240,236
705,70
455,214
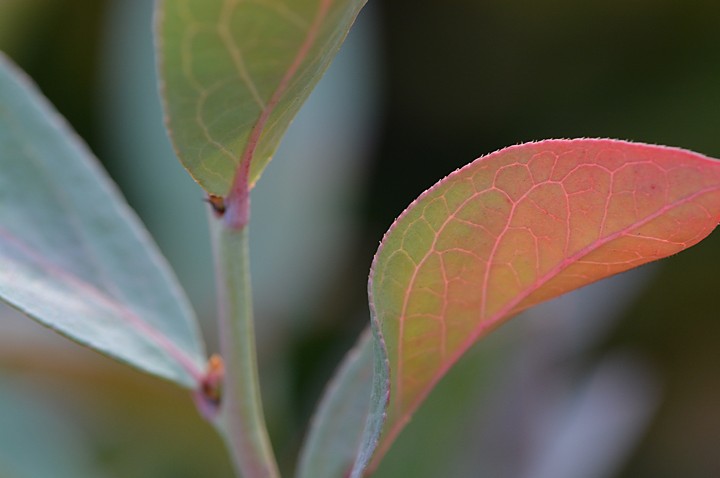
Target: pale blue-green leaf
x,y
73,256
346,428
379,397
336,429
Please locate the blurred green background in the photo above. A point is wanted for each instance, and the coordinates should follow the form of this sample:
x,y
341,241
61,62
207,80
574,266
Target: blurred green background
x,y
619,380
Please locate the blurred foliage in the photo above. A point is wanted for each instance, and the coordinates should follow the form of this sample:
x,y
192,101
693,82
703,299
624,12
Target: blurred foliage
x,y
39,429
460,79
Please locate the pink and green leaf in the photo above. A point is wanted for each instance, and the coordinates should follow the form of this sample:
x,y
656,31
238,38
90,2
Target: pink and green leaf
x,y
236,73
510,230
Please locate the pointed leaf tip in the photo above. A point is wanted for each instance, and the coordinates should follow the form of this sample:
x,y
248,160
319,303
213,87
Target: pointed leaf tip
x,y
515,228
73,256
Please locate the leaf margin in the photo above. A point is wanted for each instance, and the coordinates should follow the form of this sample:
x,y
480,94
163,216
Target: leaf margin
x,y
371,453
188,367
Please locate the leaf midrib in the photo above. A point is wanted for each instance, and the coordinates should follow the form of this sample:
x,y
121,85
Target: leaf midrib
x,y
242,175
495,318
127,314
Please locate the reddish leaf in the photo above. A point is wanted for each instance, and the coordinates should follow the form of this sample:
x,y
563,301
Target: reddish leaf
x,y
516,228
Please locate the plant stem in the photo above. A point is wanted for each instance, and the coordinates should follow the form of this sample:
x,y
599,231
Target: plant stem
x,y
240,419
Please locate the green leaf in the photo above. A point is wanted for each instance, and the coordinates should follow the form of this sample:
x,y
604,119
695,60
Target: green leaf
x,y
236,73
516,228
336,429
73,256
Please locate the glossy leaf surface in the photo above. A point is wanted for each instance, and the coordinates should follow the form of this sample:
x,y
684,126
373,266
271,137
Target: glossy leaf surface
x,y
515,228
73,256
236,73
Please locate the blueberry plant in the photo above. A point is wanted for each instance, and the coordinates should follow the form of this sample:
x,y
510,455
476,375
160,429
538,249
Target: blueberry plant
x,y
508,231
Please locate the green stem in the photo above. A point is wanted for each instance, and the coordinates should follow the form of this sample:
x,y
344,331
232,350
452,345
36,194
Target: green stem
x,y
240,419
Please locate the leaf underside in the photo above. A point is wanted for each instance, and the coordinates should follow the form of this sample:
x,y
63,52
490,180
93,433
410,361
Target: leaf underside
x,y
510,230
235,74
73,256
335,433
